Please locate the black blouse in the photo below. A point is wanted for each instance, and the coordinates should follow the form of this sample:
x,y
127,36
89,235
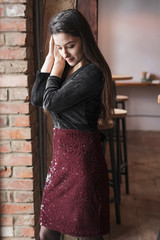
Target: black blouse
x,y
74,102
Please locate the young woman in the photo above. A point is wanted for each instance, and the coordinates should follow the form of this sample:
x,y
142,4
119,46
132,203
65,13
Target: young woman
x,y
75,86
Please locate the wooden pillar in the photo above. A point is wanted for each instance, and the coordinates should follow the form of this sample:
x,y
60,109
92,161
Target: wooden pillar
x,y
89,9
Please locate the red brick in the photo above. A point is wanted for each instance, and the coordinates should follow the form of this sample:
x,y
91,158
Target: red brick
x,y
2,10
13,53
18,94
19,121
5,172
10,196
5,147
15,10
22,197
6,220
16,184
10,107
24,231
23,172
13,39
16,208
13,80
2,68
16,159
3,121
6,231
13,25
1,39
7,196
3,196
3,94
24,220
16,66
19,209
23,133
21,146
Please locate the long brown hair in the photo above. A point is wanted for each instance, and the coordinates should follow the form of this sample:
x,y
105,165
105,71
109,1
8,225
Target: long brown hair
x,y
71,21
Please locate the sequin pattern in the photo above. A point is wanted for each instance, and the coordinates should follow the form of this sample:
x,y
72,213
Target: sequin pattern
x,y
76,196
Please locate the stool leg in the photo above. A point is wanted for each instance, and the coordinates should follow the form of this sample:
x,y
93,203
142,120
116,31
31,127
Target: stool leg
x,y
109,136
114,175
125,155
118,157
125,151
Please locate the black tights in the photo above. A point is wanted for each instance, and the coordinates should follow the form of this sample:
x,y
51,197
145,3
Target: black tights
x,y
48,234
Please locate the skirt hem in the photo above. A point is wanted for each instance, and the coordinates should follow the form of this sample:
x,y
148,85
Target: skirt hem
x,y
78,233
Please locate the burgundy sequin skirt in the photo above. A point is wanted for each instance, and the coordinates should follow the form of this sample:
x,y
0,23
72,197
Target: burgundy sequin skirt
x,y
76,194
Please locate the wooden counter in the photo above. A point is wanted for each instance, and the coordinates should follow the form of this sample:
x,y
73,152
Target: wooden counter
x,y
121,77
136,84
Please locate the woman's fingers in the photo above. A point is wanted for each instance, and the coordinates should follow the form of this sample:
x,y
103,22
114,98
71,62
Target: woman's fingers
x,y
57,56
51,46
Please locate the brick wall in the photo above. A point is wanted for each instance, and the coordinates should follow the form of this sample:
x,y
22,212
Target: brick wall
x,y
18,133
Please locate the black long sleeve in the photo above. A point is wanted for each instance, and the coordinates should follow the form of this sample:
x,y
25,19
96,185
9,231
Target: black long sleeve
x,y
82,85
39,88
74,102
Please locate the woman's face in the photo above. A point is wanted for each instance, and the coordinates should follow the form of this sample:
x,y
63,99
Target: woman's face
x,y
70,48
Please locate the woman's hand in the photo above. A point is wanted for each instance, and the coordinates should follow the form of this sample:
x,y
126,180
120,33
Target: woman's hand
x,y
57,57
59,63
51,47
49,60
54,62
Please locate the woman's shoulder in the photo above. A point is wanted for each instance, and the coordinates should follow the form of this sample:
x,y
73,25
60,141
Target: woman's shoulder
x,y
90,76
89,70
92,66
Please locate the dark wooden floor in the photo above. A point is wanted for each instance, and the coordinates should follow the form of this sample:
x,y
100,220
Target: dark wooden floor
x,y
140,210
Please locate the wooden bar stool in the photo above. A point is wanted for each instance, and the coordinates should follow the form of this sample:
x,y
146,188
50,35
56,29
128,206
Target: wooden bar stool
x,y
108,132
121,99
122,165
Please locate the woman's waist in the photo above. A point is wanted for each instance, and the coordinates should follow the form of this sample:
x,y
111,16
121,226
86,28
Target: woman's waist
x,y
75,119
75,126
68,122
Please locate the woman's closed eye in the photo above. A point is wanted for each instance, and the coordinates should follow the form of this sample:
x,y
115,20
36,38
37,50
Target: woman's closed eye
x,y
70,46
59,48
